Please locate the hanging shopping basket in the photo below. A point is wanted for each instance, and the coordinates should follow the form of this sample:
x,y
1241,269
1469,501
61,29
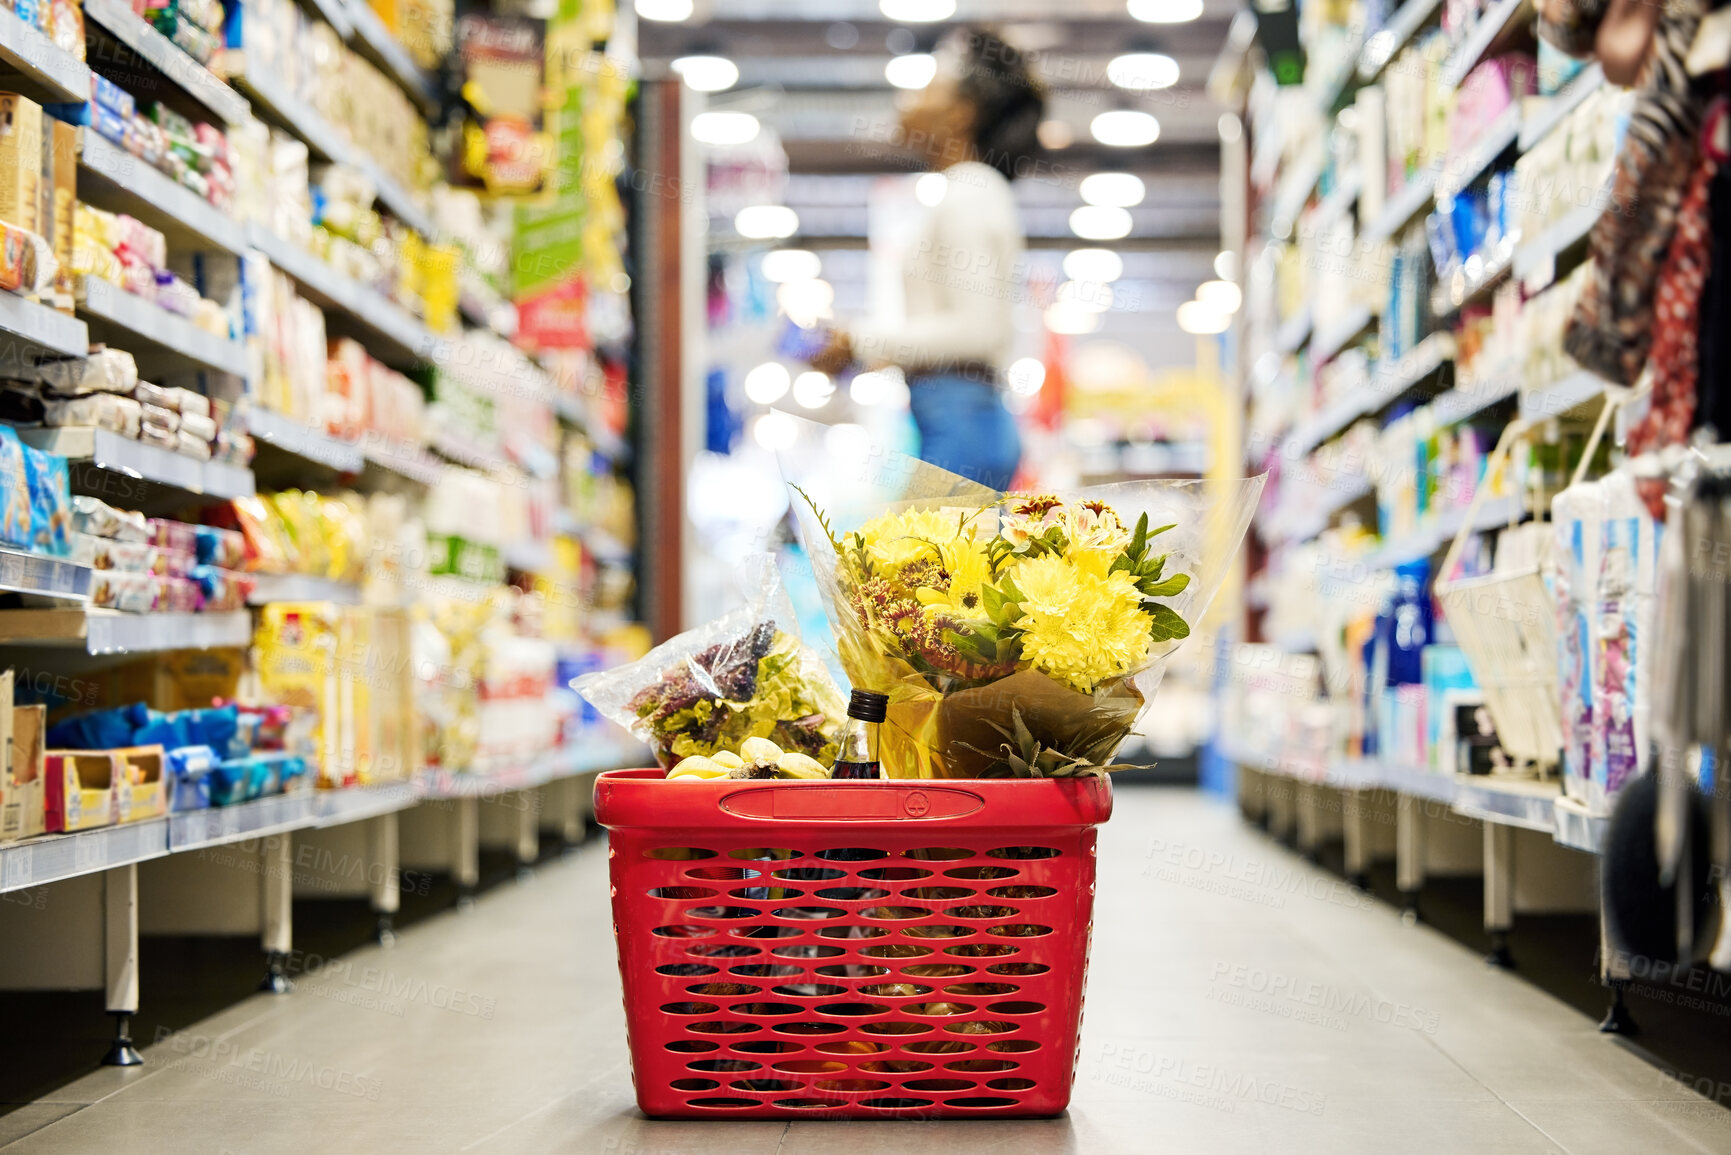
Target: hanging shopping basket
x,y
910,948
1505,624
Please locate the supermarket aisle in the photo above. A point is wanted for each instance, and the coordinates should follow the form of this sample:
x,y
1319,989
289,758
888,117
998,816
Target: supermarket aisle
x,y
1239,1001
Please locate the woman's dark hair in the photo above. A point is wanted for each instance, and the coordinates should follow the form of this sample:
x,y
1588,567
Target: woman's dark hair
x,y
1008,102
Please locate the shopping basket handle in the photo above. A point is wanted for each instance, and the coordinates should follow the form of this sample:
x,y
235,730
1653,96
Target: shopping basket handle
x,y
864,803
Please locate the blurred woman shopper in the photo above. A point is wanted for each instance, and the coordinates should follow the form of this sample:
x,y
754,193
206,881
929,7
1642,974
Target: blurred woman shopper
x,y
975,124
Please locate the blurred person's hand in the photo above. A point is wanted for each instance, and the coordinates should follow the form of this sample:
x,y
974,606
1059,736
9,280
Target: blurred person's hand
x,y
835,356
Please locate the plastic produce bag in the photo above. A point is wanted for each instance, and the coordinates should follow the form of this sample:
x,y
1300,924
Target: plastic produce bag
x,y
743,675
1016,635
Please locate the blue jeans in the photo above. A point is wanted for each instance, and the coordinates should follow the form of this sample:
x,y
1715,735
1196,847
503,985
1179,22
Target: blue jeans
x,y
965,428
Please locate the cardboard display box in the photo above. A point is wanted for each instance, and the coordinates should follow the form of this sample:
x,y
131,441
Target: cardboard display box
x,y
82,789
23,794
141,789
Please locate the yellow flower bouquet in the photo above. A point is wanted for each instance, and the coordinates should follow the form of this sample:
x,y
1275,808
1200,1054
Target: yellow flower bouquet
x,y
1017,635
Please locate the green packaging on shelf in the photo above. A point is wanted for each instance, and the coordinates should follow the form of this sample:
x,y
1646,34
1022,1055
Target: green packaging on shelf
x,y
450,555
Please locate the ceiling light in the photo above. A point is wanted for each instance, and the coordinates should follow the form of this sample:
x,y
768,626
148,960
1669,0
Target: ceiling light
x,y
1117,190
878,386
806,302
1165,11
707,73
1125,128
915,70
1025,376
1055,134
775,431
1202,319
1069,319
1098,265
1090,295
766,222
724,128
782,265
767,383
1100,223
1222,295
929,190
1142,71
1226,265
917,11
813,389
667,11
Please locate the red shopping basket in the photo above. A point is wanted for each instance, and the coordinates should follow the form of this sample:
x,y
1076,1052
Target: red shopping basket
x,y
913,948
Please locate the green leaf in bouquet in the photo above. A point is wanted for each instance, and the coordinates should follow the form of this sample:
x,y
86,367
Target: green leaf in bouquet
x,y
823,521
1167,623
1154,588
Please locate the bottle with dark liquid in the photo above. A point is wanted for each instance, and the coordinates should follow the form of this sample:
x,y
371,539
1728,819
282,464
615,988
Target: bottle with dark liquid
x,y
857,755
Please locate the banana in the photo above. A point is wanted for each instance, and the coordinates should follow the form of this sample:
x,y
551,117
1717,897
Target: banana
x,y
793,764
759,750
697,766
728,759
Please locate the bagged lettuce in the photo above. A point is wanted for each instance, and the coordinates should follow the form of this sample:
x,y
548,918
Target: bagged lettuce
x,y
744,675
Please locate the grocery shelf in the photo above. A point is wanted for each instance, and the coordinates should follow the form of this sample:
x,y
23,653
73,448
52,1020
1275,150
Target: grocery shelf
x,y
374,41
1536,260
31,64
1300,181
1561,396
1578,829
1508,801
1297,641
357,803
1292,335
22,572
530,772
1326,342
1493,141
336,14
1338,203
33,332
406,342
296,587
215,825
1383,45
528,556
302,440
103,631
1414,197
1472,396
456,447
112,178
1426,540
1556,108
162,54
1477,276
328,143
1477,43
1389,381
1334,87
105,449
1306,524
159,337
404,460
55,857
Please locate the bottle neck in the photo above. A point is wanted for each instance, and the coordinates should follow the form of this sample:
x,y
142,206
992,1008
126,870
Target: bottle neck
x,y
859,741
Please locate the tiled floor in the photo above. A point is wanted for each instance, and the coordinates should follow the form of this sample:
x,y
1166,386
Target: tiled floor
x,y
1239,1001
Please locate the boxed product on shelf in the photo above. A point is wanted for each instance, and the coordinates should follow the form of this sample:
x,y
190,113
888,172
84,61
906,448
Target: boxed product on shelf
x,y
141,790
1569,170
368,397
23,783
21,162
35,492
82,789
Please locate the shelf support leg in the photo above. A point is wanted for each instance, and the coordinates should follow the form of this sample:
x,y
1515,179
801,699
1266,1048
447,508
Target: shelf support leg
x,y
528,804
1355,832
466,848
1409,853
277,887
1499,890
120,957
1614,973
384,890
1307,819
569,792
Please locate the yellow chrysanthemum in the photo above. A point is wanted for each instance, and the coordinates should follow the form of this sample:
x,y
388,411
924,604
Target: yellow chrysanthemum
x,y
894,540
1079,627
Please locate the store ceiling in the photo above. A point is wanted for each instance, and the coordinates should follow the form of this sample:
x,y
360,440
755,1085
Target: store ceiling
x,y
815,95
